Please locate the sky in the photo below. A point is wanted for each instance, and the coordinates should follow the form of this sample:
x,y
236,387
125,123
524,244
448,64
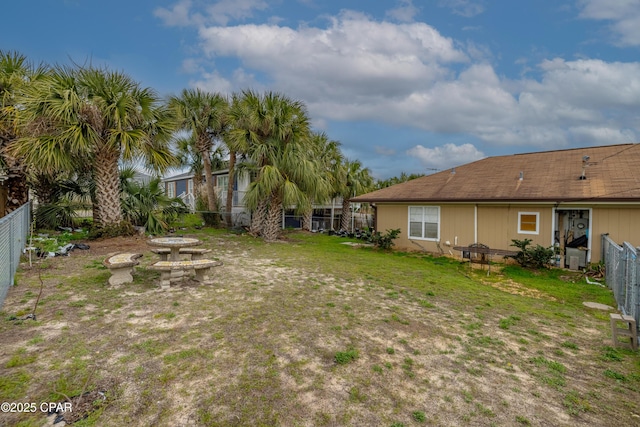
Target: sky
x,y
404,85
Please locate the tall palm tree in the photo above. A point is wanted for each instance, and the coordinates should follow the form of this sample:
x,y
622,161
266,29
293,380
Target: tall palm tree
x,y
236,145
16,73
328,153
205,115
355,180
274,133
88,116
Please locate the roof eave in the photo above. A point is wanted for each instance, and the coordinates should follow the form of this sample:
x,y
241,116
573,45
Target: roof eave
x,y
552,200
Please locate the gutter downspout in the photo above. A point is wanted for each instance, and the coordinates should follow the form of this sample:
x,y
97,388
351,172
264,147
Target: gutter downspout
x,y
475,223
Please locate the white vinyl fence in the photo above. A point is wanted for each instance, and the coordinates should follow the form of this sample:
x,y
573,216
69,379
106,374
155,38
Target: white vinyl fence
x,y
14,229
622,269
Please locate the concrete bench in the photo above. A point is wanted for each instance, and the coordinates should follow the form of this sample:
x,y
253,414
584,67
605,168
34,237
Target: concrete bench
x,y
121,267
628,329
200,266
195,253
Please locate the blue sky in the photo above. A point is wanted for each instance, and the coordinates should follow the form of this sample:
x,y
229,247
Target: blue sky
x,y
404,85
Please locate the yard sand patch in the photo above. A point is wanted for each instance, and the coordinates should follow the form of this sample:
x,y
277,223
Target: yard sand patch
x,y
258,347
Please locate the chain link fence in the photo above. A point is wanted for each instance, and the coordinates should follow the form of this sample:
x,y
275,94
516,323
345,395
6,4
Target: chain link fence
x,y
622,271
14,229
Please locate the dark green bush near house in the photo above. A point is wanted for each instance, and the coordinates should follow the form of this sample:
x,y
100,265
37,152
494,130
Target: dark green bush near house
x,y
385,241
535,258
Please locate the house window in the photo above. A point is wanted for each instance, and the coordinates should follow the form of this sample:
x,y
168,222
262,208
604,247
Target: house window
x,y
528,222
222,182
424,222
171,189
190,186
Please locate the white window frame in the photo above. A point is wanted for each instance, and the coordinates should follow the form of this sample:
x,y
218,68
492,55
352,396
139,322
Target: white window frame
x,y
190,186
171,189
422,237
222,178
521,231
221,190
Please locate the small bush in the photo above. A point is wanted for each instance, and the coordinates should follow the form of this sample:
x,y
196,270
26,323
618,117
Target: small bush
x,y
385,241
344,357
419,416
536,258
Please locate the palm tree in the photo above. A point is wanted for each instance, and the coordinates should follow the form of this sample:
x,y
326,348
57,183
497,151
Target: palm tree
x,y
235,146
354,181
205,115
78,117
273,132
15,75
327,152
146,204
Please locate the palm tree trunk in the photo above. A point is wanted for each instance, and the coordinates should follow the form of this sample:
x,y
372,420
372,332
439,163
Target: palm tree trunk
x,y
17,191
229,207
307,217
211,193
345,218
259,217
107,179
273,224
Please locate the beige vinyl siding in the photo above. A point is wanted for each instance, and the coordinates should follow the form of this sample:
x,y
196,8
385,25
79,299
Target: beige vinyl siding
x,y
621,223
455,221
498,225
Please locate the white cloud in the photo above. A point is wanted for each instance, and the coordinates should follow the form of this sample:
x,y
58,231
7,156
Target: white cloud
x,y
213,82
446,156
191,66
409,75
405,12
223,11
353,59
177,16
623,14
466,8
595,135
220,12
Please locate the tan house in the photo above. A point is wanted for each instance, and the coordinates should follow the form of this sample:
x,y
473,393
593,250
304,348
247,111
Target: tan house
x,y
564,198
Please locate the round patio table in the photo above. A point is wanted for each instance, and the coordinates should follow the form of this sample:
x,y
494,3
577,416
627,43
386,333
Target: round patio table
x,y
174,243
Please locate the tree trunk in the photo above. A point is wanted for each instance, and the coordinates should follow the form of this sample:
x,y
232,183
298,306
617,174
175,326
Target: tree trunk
x,y
208,179
259,217
229,207
17,189
307,217
107,177
273,225
345,218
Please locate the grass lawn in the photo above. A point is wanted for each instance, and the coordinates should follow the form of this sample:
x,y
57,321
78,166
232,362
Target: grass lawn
x,y
312,332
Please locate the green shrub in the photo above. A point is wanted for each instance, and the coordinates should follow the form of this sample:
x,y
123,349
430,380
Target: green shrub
x,y
385,241
344,357
536,258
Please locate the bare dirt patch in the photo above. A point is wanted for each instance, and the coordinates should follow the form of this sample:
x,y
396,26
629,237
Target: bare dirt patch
x,y
258,347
